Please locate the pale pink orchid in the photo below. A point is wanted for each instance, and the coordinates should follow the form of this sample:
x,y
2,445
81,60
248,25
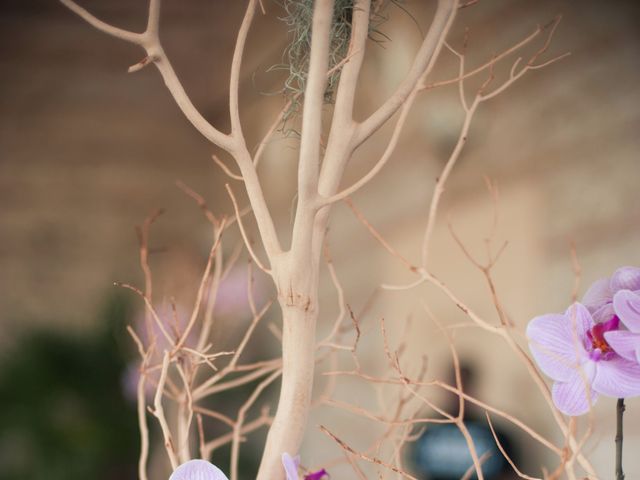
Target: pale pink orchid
x,y
203,470
197,470
599,299
618,296
626,343
573,349
291,465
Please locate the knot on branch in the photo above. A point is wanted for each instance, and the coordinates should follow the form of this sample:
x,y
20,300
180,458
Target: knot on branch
x,y
148,60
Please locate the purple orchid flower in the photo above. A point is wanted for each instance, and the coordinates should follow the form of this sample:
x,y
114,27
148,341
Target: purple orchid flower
x,y
291,465
197,470
599,298
619,296
572,349
626,305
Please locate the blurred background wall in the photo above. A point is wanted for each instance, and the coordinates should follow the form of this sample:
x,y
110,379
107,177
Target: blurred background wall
x,y
87,151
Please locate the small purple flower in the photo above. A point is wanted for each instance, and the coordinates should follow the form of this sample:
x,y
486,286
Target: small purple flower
x,y
573,350
291,465
197,470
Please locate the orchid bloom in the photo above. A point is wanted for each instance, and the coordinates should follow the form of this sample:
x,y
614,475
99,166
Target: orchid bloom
x,y
619,296
197,470
573,350
291,465
626,343
599,299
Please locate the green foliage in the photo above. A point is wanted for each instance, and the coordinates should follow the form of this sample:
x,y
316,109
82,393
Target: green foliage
x,y
63,415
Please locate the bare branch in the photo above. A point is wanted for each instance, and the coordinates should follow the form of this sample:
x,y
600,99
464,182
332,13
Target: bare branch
x,y
261,421
127,36
504,453
158,412
150,42
149,306
494,59
378,236
442,179
422,65
244,233
205,388
395,136
143,240
309,157
363,456
201,289
142,415
236,63
339,144
341,301
226,169
237,430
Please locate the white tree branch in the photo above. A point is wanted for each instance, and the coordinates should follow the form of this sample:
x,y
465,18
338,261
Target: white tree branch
x,y
150,42
153,21
258,203
235,145
444,176
244,233
309,160
339,145
155,51
236,64
422,64
125,35
393,142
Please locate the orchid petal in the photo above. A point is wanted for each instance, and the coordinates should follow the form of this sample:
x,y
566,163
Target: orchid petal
x,y
598,294
627,306
603,313
552,346
626,278
618,378
626,344
580,320
571,397
555,346
290,465
197,470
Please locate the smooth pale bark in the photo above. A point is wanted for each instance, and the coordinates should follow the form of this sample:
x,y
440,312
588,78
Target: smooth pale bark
x,y
296,272
299,315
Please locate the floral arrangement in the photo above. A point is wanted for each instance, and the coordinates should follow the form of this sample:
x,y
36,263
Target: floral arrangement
x,y
592,349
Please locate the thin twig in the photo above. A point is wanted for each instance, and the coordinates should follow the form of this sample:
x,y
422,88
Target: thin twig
x,y
237,429
158,412
504,452
226,169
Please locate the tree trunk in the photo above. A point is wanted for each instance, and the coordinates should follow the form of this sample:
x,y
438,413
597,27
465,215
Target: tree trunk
x,y
297,295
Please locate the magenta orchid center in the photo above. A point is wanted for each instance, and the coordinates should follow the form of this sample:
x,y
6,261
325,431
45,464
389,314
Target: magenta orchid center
x,y
599,348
